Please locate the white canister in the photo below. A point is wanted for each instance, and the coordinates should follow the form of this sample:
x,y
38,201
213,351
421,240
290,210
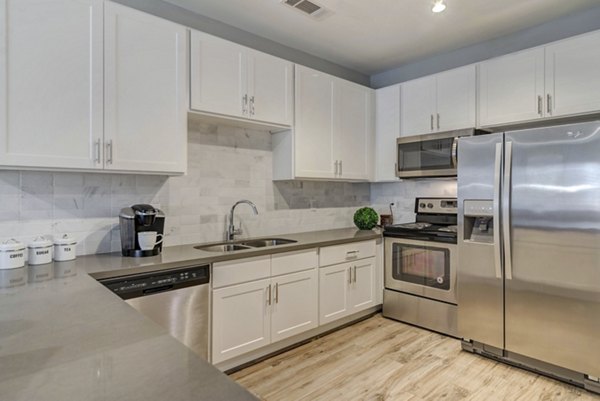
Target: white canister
x,y
12,254
64,248
39,251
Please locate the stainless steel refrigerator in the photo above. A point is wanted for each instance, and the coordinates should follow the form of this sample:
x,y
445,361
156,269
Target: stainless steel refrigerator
x,y
529,249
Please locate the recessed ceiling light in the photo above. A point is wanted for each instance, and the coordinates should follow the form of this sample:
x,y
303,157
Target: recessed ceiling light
x,y
438,6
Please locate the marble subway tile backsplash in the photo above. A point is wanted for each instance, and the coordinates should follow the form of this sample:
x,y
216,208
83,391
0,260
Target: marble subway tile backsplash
x,y
225,164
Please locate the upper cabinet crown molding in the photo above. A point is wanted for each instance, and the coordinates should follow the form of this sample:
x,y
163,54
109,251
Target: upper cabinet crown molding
x,y
86,84
440,102
552,81
232,80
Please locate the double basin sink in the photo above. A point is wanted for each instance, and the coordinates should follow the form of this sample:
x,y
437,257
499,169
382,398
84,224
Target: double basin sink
x,y
245,245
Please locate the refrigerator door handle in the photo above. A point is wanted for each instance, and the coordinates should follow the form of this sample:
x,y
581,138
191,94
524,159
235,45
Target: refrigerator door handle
x,y
506,210
496,207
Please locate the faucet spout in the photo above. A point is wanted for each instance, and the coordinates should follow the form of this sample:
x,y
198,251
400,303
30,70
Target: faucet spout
x,y
231,230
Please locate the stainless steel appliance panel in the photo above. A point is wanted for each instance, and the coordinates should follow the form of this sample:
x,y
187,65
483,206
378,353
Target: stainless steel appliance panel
x,y
183,312
479,284
552,245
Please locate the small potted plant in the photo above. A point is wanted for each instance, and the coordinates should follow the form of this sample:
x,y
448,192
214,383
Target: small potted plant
x,y
366,218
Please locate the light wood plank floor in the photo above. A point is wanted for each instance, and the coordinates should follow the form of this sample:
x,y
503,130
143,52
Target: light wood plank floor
x,y
381,359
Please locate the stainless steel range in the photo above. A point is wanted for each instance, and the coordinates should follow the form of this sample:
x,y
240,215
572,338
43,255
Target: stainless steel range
x,y
420,267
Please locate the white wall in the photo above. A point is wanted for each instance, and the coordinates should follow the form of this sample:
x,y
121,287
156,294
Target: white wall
x,y
225,164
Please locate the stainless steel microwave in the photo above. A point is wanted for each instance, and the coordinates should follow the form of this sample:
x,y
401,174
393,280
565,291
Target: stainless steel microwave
x,y
430,155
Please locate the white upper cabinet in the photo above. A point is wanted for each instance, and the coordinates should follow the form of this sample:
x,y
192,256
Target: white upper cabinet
x,y
418,106
387,130
511,88
354,131
314,157
573,76
146,92
233,80
333,133
440,102
51,83
456,99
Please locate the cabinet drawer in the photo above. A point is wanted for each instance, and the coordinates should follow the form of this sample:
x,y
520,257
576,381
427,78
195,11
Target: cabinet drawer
x,y
284,263
241,271
346,252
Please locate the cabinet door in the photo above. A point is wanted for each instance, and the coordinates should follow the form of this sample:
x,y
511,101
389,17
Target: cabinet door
x,y
456,91
50,83
334,283
313,135
387,130
418,106
511,88
362,290
353,131
295,307
145,92
573,76
241,319
218,76
270,87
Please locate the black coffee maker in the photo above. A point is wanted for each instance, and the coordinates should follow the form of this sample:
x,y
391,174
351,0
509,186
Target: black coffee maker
x,y
138,225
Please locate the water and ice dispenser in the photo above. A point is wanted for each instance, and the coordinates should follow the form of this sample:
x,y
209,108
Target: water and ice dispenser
x,y
479,221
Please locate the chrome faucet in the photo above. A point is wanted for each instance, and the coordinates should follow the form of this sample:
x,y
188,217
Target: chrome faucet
x,y
231,230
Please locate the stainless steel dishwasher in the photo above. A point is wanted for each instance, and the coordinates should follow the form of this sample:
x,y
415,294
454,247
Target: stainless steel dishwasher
x,y
177,299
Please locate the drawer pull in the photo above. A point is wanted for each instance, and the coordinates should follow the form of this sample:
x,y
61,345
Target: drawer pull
x,y
352,254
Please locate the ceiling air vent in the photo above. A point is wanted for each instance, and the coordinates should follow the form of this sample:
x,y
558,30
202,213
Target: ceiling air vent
x,y
308,8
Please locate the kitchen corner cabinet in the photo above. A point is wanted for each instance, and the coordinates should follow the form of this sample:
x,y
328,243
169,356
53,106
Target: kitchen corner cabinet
x,y
51,83
440,102
232,80
145,92
333,134
85,84
556,80
387,130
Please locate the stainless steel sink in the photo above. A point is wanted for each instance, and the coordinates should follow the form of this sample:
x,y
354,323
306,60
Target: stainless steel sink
x,y
244,245
260,243
222,248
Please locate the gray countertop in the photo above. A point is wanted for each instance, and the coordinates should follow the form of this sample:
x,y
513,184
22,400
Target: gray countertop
x,y
71,339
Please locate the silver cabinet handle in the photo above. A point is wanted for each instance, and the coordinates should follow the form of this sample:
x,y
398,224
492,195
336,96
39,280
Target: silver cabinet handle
x,y
269,295
438,120
252,105
540,105
506,211
341,167
276,293
496,207
336,167
352,254
109,152
354,274
431,121
97,155
245,104
350,275
549,103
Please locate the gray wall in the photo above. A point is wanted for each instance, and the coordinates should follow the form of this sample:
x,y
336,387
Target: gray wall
x,y
217,28
548,32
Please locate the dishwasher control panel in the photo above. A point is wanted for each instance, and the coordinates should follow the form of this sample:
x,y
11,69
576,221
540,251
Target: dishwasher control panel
x,y
155,282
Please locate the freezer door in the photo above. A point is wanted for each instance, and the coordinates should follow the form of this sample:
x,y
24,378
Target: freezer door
x,y
479,284
553,267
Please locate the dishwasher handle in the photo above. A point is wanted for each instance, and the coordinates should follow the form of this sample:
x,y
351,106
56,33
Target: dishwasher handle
x,y
154,290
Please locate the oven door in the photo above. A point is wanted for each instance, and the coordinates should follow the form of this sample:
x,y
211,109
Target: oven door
x,y
423,268
432,155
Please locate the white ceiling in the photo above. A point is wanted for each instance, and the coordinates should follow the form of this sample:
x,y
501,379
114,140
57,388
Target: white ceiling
x,y
370,36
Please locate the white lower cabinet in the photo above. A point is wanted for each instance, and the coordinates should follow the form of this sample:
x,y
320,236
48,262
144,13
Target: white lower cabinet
x,y
241,319
346,288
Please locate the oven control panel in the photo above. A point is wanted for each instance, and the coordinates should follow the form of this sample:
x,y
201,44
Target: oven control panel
x,y
436,205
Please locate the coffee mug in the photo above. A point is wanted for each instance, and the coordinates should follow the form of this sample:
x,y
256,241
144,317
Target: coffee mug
x,y
147,240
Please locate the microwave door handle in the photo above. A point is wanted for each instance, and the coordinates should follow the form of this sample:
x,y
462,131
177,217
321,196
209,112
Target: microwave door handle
x,y
506,193
496,214
455,153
